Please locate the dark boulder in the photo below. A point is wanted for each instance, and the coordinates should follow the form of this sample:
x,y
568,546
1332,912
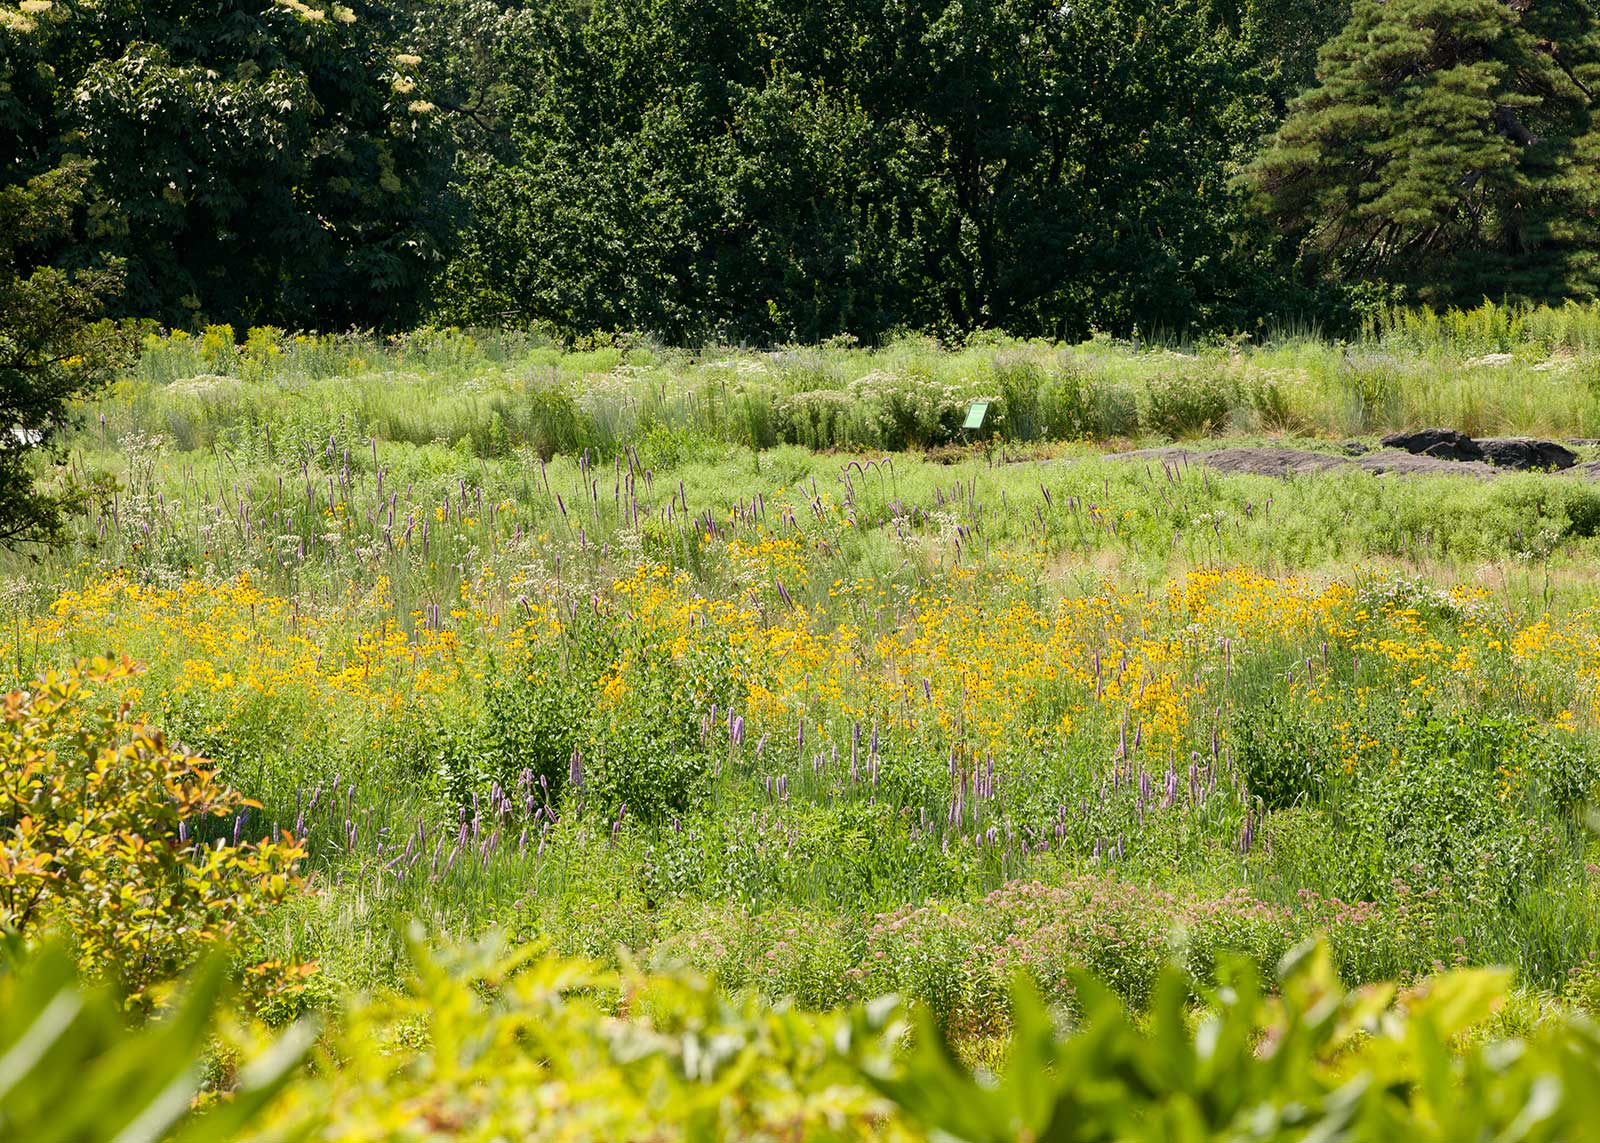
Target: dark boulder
x,y
1518,453
1441,444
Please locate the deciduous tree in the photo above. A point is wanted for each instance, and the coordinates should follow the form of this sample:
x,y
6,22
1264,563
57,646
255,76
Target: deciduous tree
x,y
55,346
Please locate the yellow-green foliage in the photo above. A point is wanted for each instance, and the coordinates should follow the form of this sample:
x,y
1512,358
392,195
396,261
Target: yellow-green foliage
x,y
72,1070
1307,1061
483,1047
96,814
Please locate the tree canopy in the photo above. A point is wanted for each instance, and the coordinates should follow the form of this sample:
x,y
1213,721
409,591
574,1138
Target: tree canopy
x,y
762,170
1449,146
768,170
253,161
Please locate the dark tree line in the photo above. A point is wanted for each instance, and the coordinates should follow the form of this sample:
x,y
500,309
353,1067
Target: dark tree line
x,y
765,170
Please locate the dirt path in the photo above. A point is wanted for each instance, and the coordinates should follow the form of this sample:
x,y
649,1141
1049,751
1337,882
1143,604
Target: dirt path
x,y
1284,462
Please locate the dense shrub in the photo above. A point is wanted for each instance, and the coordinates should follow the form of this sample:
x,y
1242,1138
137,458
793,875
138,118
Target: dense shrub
x,y
1187,405
819,419
1285,748
104,835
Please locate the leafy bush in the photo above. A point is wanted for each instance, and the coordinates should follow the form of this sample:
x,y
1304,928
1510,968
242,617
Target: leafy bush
x,y
552,422
1285,749
1560,508
1455,805
483,1046
1373,388
486,1046
102,835
911,410
649,758
1275,409
76,1072
816,418
1067,406
1020,385
530,720
1187,406
1311,1062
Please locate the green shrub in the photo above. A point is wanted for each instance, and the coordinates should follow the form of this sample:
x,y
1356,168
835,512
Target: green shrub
x,y
1274,409
1373,389
911,409
1066,405
76,1070
647,756
1285,749
1181,406
1019,385
550,421
816,418
106,835
1312,1062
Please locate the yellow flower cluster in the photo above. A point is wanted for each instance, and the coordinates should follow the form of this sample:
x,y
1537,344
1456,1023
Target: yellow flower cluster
x,y
983,661
231,639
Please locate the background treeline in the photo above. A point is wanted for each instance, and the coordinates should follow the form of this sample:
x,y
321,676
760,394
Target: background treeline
x,y
792,170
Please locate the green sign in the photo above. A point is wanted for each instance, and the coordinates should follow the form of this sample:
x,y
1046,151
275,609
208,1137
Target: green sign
x,y
975,415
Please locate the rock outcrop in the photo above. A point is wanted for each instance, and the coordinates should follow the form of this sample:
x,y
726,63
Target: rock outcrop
x,y
1519,453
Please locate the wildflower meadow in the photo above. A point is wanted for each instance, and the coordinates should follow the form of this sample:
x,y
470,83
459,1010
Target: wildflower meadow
x,y
663,668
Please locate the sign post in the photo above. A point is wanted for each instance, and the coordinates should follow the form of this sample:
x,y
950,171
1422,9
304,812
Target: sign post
x,y
977,413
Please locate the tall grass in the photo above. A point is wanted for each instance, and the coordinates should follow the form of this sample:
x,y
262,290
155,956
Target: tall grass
x,y
1489,371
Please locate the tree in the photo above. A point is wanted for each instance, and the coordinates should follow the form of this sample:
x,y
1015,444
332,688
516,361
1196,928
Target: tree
x,y
1287,36
1078,157
1449,147
54,347
254,161
771,169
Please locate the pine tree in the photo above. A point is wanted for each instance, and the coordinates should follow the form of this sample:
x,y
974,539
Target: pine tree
x,y
1449,147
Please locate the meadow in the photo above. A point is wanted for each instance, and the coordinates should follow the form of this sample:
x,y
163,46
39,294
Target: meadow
x,y
755,665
